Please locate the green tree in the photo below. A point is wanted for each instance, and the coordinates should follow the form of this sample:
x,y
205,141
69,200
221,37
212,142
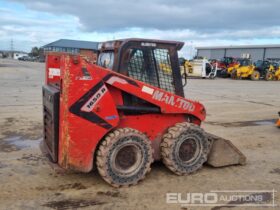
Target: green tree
x,y
34,51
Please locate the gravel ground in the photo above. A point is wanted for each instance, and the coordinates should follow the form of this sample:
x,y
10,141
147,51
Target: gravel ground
x,y
242,111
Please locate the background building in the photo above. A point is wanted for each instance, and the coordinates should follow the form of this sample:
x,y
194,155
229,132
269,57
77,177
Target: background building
x,y
85,48
19,54
257,52
12,54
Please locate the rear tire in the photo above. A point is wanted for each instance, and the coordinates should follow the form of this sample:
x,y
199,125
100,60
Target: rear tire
x,y
255,76
124,157
184,148
269,76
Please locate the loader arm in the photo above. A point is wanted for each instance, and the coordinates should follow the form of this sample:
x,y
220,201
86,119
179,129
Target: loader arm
x,y
166,101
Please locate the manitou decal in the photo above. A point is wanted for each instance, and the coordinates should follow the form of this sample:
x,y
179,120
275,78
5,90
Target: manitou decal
x,y
171,100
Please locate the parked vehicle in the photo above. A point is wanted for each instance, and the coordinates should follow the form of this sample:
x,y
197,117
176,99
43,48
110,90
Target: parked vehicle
x,y
246,69
200,68
266,69
27,58
109,114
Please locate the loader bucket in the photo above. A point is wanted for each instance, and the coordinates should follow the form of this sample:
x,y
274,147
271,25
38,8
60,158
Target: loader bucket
x,y
224,153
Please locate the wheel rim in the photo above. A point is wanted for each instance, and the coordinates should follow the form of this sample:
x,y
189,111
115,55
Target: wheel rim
x,y
256,76
189,149
126,159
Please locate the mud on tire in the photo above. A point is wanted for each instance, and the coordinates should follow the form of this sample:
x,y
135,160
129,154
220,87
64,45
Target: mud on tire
x,y
124,157
184,148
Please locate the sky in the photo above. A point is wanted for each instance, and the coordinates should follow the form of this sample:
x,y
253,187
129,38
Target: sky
x,y
196,22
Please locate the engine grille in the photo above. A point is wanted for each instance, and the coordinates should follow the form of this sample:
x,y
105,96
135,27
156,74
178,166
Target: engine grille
x,y
51,117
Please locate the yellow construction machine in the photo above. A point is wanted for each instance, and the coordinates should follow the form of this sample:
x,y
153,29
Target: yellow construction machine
x,y
278,121
277,74
245,70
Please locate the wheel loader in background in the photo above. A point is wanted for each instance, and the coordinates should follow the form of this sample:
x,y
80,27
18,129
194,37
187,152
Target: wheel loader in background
x,y
223,65
246,69
126,112
276,75
266,69
233,66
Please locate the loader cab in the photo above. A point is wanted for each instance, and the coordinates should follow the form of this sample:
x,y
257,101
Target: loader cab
x,y
245,62
151,61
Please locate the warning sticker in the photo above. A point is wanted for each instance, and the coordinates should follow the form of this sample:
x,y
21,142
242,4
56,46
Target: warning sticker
x,y
54,72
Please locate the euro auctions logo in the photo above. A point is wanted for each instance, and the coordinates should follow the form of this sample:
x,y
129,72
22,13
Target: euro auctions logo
x,y
224,198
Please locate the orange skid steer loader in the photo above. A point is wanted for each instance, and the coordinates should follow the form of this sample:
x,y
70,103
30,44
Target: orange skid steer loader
x,y
125,112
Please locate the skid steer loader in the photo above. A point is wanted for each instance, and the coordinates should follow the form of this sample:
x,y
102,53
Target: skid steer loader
x,y
125,112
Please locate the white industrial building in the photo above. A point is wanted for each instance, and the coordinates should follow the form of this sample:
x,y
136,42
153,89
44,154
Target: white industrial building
x,y
19,54
257,52
12,54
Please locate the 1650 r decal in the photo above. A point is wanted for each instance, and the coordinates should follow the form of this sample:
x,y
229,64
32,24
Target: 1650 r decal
x,y
89,105
86,103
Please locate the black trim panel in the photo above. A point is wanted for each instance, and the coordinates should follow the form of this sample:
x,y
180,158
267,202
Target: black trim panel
x,y
90,116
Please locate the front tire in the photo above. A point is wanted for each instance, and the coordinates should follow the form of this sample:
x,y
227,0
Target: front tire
x,y
124,157
184,148
255,76
269,76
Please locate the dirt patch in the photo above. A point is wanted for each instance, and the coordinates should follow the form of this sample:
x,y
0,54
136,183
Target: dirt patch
x,y
244,123
12,127
72,204
114,194
17,143
275,171
6,147
33,133
2,165
261,103
75,186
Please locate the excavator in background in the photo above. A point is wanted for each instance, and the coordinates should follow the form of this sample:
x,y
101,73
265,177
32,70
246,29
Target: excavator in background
x,y
125,112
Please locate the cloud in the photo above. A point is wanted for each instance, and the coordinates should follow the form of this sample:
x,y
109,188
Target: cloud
x,y
203,22
201,16
31,28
